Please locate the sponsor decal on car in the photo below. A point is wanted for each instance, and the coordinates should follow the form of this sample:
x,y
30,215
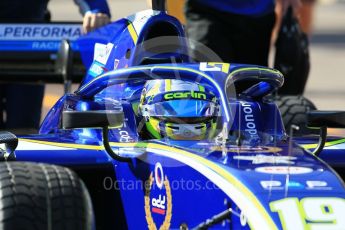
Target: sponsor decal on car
x,y
271,184
116,63
102,52
184,95
250,124
310,212
278,185
263,159
159,175
97,69
295,184
248,149
283,170
317,185
158,199
139,19
215,67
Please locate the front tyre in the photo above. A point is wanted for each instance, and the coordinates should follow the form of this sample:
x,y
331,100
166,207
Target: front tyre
x,y
293,110
40,196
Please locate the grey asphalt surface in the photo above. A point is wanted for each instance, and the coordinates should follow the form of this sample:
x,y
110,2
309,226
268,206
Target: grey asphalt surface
x,y
326,84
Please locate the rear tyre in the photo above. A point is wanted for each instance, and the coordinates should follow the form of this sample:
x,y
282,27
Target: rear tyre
x,y
41,196
294,110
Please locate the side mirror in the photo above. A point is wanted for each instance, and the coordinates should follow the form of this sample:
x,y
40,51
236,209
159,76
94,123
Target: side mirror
x,y
323,120
93,119
330,119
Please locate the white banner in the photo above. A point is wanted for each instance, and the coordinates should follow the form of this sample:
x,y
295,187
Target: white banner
x,y
39,32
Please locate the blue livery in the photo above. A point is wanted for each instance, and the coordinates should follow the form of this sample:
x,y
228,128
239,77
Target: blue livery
x,y
253,176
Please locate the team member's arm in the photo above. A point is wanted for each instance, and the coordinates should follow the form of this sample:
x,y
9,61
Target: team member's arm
x,y
296,5
96,13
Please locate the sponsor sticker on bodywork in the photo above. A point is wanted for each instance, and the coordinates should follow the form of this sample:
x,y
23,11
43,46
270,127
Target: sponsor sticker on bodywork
x,y
102,52
284,170
158,199
264,159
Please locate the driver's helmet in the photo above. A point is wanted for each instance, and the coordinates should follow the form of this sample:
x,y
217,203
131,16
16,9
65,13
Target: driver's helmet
x,y
178,110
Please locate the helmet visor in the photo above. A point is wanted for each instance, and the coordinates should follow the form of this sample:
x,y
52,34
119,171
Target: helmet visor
x,y
182,108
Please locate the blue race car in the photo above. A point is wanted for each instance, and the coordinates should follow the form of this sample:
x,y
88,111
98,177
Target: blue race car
x,y
153,140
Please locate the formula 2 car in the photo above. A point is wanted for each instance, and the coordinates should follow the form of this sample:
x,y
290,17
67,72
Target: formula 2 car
x,y
249,174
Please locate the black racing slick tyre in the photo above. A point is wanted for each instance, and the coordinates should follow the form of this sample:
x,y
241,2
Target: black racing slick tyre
x,y
293,110
45,197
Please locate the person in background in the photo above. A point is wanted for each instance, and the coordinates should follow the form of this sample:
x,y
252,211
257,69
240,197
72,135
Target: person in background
x,y
20,104
237,31
305,16
96,13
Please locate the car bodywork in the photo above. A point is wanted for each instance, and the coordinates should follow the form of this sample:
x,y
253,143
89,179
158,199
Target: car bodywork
x,y
260,179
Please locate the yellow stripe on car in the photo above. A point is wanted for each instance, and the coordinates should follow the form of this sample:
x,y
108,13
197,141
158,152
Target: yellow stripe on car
x,y
249,198
225,66
261,211
211,165
168,85
328,144
132,32
66,145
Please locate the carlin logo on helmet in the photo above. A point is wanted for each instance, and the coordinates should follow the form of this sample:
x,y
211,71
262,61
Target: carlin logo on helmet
x,y
158,199
185,95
